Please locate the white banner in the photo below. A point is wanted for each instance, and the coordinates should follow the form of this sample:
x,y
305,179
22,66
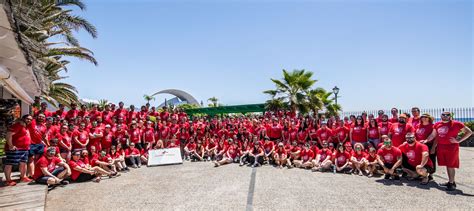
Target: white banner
x,y
158,157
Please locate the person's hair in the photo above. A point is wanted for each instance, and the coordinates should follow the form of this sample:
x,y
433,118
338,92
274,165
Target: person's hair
x,y
339,146
376,123
416,108
361,123
359,144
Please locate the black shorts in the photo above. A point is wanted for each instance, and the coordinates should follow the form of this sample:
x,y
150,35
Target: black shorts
x,y
83,177
36,149
429,169
15,157
44,179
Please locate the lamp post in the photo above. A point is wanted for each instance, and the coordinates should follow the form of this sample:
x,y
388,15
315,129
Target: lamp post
x,y
335,90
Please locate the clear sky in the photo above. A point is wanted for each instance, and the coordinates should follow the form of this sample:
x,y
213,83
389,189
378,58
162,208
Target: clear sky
x,y
379,53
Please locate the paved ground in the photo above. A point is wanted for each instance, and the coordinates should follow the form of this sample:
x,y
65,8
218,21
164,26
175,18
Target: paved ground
x,y
200,186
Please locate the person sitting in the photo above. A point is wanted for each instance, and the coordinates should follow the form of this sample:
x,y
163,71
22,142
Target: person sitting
x,y
372,161
230,156
341,160
51,170
306,158
358,159
390,158
255,155
119,159
132,154
280,155
416,161
106,162
198,153
81,172
268,147
144,154
294,154
323,159
190,149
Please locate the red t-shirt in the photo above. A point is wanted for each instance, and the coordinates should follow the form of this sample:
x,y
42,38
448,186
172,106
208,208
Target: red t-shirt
x,y
323,134
306,155
389,156
65,139
445,131
399,131
81,136
274,131
359,156
280,151
232,152
37,131
359,134
423,131
44,162
373,132
135,135
131,151
415,153
341,133
21,139
268,146
73,164
341,158
371,158
385,128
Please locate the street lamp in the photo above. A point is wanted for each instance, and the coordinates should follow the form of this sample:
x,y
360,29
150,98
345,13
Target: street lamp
x,y
335,90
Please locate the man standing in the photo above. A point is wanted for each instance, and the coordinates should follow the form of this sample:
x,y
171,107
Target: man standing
x,y
18,144
446,145
416,161
399,130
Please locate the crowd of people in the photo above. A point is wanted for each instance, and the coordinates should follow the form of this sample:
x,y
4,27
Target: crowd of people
x,y
82,144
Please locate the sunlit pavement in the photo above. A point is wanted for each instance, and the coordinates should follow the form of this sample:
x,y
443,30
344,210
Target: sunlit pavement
x,y
200,186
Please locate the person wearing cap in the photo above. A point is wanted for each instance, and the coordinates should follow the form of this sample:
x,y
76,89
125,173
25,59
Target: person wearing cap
x,y
306,158
358,132
230,156
324,133
358,160
50,170
399,130
294,154
446,144
280,155
416,162
390,159
132,154
342,160
255,155
269,148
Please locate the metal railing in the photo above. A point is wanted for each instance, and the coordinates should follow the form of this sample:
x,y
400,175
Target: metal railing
x,y
460,114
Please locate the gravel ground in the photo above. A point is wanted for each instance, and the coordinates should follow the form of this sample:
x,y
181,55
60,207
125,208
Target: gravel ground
x,y
200,186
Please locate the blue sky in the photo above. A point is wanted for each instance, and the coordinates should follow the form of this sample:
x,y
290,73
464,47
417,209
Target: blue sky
x,y
379,53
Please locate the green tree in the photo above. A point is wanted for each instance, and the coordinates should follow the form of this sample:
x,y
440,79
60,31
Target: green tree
x,y
103,103
148,98
214,102
275,105
292,88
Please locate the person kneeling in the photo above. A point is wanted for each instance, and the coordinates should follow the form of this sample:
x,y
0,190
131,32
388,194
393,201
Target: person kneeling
x,y
133,156
80,172
280,155
341,160
51,170
416,161
255,155
390,158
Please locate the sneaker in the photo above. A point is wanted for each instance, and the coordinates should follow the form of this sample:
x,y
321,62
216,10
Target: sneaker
x,y
241,164
26,179
64,182
451,187
139,166
447,183
387,176
370,175
10,183
134,166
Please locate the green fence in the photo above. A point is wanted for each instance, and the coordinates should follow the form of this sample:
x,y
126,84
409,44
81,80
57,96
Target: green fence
x,y
249,108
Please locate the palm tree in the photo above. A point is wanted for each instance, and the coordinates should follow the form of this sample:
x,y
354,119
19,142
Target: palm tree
x,y
214,102
45,29
103,103
292,88
275,105
148,98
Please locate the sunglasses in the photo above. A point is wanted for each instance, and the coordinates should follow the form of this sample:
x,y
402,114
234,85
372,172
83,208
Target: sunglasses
x,y
445,115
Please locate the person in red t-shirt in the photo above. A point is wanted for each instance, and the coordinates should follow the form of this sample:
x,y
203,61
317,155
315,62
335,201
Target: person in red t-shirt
x,y
119,159
50,170
230,155
358,159
384,125
133,155
446,144
293,154
358,133
210,149
372,161
306,158
323,160
394,118
190,148
81,171
416,161
324,133
198,153
255,155
280,155
80,138
399,130
390,158
342,160
17,146
268,148
373,132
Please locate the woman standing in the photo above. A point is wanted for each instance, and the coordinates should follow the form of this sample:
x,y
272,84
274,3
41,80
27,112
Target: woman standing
x,y
423,131
373,133
358,133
